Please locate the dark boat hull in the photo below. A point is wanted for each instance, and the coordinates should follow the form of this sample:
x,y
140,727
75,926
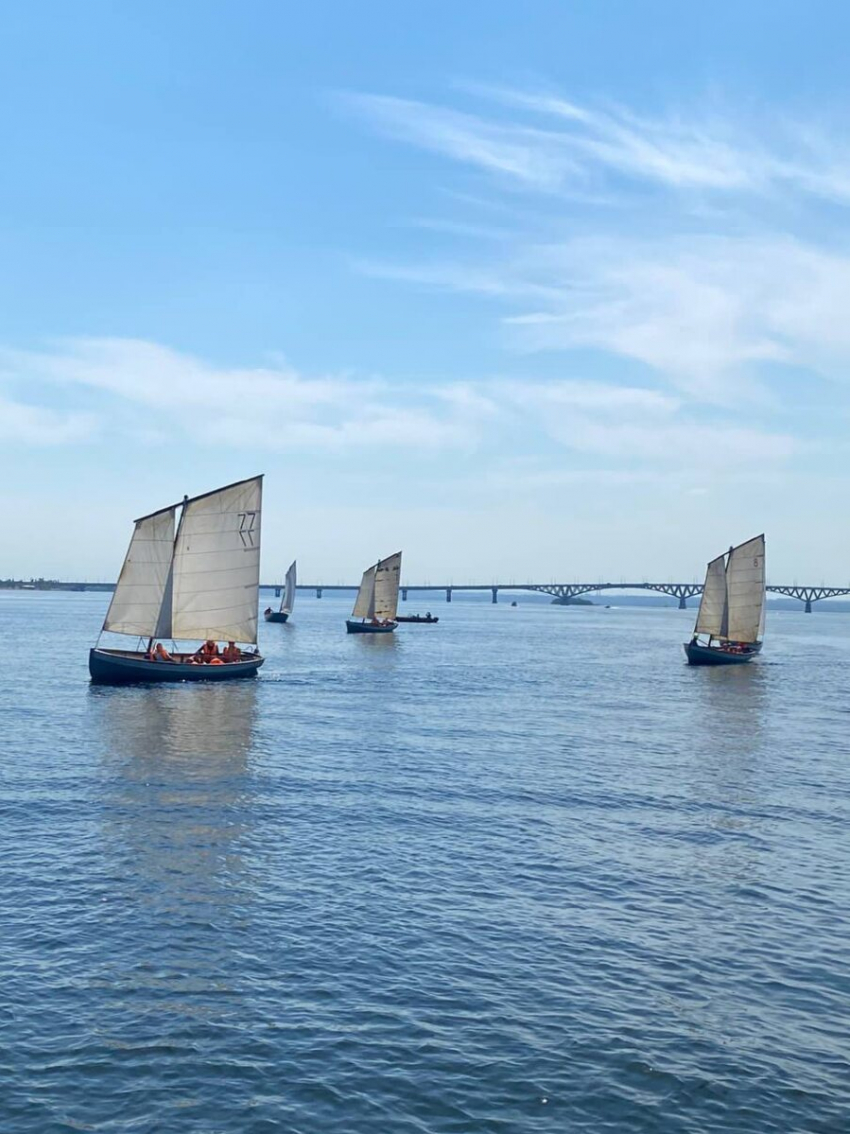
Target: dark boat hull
x,y
368,628
715,655
416,618
275,615
123,667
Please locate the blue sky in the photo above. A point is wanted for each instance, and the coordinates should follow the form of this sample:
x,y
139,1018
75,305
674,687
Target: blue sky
x,y
532,291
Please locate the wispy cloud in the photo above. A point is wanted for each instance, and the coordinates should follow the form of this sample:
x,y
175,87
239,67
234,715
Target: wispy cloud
x,y
32,425
535,158
710,278
274,407
553,144
708,313
642,427
153,394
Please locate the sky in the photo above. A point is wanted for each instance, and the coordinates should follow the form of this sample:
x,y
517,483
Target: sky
x,y
551,291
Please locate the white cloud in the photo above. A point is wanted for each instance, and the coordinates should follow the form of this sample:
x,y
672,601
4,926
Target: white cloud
x,y
150,394
643,427
704,312
534,158
708,284
275,408
580,145
35,425
600,397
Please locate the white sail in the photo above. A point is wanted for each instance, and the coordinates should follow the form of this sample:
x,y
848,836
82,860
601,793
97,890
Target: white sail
x,y
138,594
214,586
387,578
288,600
745,585
712,607
364,604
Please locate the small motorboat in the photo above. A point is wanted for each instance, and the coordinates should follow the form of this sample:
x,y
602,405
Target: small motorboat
x,y
731,610
287,601
425,619
376,604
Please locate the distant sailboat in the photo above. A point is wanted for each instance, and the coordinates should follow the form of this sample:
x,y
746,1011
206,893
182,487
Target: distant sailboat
x,y
200,582
376,604
286,603
731,611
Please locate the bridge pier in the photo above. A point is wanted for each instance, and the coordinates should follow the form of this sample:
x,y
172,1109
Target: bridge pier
x,y
448,594
495,591
404,594
808,606
318,592
277,592
683,602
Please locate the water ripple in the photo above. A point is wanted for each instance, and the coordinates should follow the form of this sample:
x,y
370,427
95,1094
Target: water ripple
x,y
523,872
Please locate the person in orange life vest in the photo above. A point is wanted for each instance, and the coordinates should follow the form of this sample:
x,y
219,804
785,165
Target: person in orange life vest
x,y
208,651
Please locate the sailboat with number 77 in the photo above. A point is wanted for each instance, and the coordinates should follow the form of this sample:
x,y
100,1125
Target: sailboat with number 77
x,y
193,579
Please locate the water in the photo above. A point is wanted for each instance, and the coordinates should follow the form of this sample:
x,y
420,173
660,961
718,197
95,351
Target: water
x,y
522,871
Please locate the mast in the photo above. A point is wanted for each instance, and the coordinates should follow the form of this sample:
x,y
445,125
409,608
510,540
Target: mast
x,y
163,623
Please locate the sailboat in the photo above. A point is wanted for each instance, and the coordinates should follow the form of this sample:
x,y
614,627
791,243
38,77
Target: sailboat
x,y
376,604
286,603
731,611
196,578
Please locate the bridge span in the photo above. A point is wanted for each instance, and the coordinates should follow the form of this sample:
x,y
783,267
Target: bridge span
x,y
680,591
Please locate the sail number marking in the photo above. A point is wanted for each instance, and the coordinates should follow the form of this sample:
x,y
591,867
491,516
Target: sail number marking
x,y
247,529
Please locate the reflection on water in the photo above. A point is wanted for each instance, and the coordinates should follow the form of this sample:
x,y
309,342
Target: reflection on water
x,y
730,735
179,725
730,701
179,785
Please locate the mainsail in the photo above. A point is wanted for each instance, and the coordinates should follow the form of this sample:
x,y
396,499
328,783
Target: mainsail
x,y
745,588
288,600
216,565
712,607
138,594
202,584
387,577
733,598
364,604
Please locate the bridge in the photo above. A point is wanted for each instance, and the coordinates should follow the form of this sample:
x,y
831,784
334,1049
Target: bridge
x,y
680,591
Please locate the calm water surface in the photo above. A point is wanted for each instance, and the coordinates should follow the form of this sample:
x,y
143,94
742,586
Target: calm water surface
x,y
521,871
